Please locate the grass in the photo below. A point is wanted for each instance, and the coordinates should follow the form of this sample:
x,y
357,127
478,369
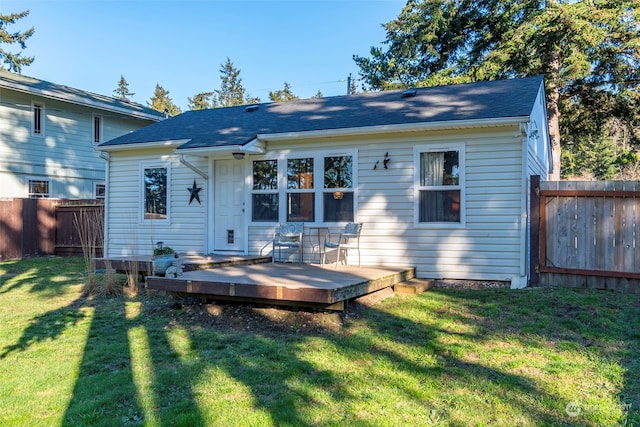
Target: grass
x,y
447,357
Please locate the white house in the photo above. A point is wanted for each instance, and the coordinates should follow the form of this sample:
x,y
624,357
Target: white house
x,y
437,175
48,135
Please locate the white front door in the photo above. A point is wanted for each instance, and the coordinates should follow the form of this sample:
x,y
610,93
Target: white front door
x,y
228,206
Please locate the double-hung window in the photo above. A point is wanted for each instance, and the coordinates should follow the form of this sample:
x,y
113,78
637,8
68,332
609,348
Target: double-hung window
x,y
155,192
300,195
440,178
338,192
309,187
265,197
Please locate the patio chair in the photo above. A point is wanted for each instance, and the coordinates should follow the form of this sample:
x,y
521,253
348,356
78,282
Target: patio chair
x,y
348,239
287,235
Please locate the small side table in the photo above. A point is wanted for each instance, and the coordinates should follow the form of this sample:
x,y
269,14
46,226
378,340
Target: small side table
x,y
318,229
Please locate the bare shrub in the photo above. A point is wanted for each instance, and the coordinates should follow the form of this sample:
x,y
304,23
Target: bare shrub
x,y
89,224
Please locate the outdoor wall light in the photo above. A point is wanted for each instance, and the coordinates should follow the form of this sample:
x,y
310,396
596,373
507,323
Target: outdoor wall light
x,y
238,156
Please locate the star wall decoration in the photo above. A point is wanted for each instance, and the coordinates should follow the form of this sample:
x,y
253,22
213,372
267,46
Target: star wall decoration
x,y
194,190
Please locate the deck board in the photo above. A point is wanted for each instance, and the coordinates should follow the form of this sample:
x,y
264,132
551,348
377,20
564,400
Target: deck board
x,y
283,283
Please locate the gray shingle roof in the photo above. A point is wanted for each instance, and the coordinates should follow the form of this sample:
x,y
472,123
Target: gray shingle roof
x,y
236,126
59,92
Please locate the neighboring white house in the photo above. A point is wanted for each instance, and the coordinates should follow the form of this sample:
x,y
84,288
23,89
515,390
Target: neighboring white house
x,y
48,135
438,176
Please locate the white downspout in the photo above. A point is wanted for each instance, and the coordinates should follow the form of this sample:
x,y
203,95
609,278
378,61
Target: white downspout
x,y
192,167
105,247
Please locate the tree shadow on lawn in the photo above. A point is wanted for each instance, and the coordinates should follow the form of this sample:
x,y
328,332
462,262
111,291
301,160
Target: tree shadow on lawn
x,y
272,362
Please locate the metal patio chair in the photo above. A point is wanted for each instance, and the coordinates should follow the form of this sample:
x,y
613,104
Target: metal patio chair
x,y
348,239
288,235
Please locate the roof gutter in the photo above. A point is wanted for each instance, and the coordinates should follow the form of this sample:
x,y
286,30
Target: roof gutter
x,y
192,166
143,145
405,127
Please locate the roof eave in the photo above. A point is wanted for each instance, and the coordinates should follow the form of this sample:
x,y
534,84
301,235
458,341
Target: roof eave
x,y
405,127
143,145
78,101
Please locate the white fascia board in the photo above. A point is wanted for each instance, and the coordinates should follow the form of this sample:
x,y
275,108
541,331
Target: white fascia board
x,y
78,101
408,127
255,146
143,145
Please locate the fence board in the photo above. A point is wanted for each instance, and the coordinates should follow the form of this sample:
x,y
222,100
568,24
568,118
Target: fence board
x,y
32,227
590,231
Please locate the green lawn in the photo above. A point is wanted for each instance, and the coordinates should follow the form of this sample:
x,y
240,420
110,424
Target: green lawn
x,y
447,357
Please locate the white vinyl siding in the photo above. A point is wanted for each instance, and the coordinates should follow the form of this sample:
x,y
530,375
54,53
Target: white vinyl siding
x,y
126,235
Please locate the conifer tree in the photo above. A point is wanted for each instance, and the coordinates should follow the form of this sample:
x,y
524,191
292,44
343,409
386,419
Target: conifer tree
x,y
160,101
283,95
122,91
14,61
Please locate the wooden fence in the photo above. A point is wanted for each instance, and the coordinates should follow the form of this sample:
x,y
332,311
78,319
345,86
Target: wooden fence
x,y
585,234
38,227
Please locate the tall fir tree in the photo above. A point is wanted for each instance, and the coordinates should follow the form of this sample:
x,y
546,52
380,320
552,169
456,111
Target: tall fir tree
x,y
160,101
588,50
282,95
200,101
14,61
231,91
122,91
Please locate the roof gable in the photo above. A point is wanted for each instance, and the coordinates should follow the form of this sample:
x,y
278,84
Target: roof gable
x,y
63,93
500,99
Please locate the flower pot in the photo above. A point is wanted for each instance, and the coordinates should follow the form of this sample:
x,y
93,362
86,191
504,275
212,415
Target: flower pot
x,y
161,263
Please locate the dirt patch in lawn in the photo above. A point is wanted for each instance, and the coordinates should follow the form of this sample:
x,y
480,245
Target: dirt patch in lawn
x,y
262,318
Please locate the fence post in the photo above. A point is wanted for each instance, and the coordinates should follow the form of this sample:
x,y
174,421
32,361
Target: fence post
x,y
534,231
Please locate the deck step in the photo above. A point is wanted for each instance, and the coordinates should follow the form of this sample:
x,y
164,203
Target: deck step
x,y
414,286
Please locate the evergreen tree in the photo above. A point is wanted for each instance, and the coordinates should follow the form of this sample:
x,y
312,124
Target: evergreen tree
x,y
283,95
318,94
588,50
200,101
15,61
160,101
231,91
122,91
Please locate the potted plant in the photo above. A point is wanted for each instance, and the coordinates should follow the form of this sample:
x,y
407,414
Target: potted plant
x,y
163,257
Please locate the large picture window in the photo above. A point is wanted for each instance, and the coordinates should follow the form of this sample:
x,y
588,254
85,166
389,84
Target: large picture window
x,y
439,186
265,197
309,187
155,192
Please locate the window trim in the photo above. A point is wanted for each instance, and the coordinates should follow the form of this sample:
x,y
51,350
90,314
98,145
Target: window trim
x,y
441,147
38,195
141,199
39,107
100,129
318,184
95,190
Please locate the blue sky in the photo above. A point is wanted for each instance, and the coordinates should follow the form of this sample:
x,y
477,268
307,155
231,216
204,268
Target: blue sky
x,y
182,44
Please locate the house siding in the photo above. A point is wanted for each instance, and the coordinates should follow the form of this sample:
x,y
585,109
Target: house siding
x,y
127,234
64,154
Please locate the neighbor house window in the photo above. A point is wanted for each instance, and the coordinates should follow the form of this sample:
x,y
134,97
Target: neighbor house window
x,y
97,129
155,191
264,197
300,195
37,125
38,188
99,191
439,187
309,187
338,192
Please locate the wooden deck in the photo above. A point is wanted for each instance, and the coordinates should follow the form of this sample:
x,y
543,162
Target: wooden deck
x,y
309,285
256,279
